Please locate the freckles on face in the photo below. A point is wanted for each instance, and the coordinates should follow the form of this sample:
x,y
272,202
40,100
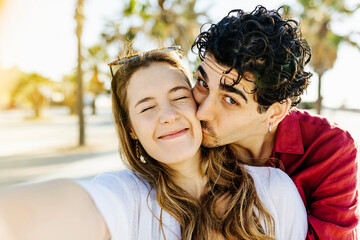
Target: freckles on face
x,y
162,113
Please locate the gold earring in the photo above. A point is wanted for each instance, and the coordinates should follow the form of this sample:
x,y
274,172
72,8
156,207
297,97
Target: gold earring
x,y
138,153
270,128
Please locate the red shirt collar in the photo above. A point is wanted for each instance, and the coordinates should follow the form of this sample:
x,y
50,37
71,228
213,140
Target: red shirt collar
x,y
288,135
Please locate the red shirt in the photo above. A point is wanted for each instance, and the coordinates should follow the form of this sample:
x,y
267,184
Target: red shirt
x,y
321,159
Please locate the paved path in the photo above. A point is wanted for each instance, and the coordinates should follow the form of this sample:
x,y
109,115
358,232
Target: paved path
x,y
36,150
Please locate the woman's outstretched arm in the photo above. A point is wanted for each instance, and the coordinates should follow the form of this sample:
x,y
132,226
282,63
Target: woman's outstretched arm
x,y
59,209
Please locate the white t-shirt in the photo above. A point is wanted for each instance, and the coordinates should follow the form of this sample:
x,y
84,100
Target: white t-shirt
x,y
131,213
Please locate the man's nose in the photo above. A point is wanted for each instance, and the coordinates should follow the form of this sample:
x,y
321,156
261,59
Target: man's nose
x,y
168,115
205,111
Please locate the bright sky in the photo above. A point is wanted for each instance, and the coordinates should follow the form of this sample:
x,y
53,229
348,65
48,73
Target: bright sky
x,y
39,36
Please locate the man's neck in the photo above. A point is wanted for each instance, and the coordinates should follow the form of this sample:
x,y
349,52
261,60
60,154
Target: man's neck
x,y
254,153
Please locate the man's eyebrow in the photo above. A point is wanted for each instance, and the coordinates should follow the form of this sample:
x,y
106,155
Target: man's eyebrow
x,y
229,88
202,72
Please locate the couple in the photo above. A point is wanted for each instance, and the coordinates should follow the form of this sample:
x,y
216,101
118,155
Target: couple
x,y
252,73
175,189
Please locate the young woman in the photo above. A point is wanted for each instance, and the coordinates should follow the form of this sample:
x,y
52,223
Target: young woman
x,y
174,189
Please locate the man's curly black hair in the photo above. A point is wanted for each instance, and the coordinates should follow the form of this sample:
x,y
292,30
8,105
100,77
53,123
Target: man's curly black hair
x,y
265,44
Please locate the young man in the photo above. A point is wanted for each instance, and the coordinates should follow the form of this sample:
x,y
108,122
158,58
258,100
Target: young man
x,y
251,75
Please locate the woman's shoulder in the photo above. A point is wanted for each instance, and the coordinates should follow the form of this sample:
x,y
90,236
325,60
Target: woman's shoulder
x,y
119,183
280,196
118,196
273,177
124,177
274,183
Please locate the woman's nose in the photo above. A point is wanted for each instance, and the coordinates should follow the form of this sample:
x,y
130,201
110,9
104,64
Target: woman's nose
x,y
168,115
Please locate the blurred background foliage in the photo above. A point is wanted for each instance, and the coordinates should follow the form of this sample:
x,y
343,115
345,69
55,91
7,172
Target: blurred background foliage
x,y
167,23
164,23
316,18
55,83
33,90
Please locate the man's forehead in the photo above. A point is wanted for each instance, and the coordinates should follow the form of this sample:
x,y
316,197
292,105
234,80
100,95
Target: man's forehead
x,y
210,63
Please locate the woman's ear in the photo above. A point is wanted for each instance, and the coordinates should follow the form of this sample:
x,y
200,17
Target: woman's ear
x,y
132,134
277,112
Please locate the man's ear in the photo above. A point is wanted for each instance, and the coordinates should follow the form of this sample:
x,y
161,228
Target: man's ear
x,y
277,112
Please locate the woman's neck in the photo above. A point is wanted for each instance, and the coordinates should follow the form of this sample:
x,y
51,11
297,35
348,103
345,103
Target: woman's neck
x,y
189,175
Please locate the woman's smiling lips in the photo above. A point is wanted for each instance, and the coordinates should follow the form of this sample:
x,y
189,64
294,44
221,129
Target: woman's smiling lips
x,y
174,134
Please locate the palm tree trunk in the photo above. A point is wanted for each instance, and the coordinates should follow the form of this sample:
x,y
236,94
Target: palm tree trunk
x,y
319,100
80,104
79,17
93,105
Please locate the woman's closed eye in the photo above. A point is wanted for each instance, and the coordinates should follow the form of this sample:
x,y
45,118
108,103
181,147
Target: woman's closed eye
x,y
146,109
180,98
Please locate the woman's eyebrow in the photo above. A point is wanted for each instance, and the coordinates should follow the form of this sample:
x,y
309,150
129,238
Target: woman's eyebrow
x,y
174,89
177,88
143,100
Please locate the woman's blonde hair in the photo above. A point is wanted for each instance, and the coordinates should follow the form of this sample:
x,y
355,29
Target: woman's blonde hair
x,y
245,216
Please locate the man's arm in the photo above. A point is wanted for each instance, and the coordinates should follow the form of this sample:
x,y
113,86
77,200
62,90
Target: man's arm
x,y
333,199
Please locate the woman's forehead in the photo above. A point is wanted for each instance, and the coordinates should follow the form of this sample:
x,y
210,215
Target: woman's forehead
x,y
157,79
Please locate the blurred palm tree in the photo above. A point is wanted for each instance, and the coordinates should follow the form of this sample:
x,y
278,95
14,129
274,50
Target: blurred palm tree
x,y
69,90
317,17
31,90
79,18
8,82
96,55
168,22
